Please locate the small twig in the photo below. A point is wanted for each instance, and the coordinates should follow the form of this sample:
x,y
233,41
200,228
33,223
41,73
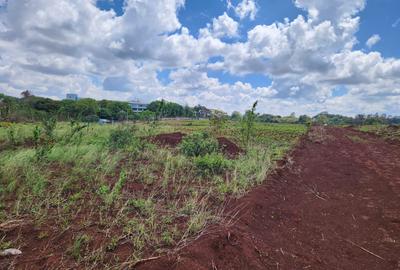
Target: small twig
x,y
364,249
146,260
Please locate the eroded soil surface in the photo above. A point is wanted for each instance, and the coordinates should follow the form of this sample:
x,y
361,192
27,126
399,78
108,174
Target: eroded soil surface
x,y
334,205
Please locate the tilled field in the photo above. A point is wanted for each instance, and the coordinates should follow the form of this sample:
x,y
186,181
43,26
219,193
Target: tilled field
x,y
334,204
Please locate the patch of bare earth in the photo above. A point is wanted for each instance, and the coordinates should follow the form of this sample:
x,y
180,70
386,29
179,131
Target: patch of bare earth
x,y
336,205
226,146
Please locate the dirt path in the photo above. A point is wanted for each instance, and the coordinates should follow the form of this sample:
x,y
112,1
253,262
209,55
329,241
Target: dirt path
x,y
336,205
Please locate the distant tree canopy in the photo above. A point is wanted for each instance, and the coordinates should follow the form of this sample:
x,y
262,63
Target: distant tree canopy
x,y
164,108
33,108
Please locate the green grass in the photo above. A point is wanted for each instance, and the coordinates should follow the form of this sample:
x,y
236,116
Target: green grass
x,y
154,198
387,132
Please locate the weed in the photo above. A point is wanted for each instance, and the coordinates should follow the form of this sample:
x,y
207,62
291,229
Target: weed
x,y
167,238
122,138
198,144
144,207
211,164
116,191
79,247
112,245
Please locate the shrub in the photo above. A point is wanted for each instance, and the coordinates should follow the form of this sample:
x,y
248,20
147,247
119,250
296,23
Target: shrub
x,y
248,122
12,138
211,164
121,138
198,144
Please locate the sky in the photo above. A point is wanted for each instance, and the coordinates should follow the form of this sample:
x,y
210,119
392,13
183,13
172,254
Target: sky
x,y
301,56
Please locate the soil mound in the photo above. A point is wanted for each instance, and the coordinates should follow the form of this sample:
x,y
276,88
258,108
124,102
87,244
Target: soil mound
x,y
229,148
169,139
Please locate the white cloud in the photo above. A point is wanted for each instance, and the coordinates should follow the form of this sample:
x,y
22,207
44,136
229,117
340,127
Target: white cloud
x,y
334,10
246,8
396,23
224,26
55,47
373,40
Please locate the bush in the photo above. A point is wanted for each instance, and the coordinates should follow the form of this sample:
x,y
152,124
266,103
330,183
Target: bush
x,y
211,164
198,144
122,138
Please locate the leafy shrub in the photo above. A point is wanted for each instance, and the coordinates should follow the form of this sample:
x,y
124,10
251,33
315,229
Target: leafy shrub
x,y
211,164
198,144
121,138
12,138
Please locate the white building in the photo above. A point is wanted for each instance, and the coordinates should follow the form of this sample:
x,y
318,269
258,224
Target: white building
x,y
72,97
138,106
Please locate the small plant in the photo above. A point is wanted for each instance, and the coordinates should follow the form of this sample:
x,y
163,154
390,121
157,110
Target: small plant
x,y
218,121
248,122
12,139
49,126
113,244
143,206
47,134
198,144
116,191
80,246
211,164
167,238
36,135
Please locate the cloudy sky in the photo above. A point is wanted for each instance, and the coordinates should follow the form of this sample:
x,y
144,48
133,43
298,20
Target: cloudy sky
x,y
302,56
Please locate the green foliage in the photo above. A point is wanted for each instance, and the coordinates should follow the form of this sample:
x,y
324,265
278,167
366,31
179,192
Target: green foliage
x,y
143,206
163,108
198,144
79,247
11,135
247,123
36,135
48,138
236,116
211,164
218,121
121,138
116,191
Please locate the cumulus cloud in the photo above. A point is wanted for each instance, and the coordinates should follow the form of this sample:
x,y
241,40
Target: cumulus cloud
x,y
246,8
373,40
55,47
224,26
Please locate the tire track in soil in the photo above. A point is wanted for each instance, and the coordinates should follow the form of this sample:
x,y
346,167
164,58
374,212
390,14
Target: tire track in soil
x,y
336,206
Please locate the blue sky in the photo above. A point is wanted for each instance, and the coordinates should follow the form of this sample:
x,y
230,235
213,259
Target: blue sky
x,y
302,56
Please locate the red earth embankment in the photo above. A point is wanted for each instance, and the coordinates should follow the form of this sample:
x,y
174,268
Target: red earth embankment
x,y
335,205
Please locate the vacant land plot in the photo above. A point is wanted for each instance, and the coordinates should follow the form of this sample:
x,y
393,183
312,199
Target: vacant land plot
x,y
77,196
334,205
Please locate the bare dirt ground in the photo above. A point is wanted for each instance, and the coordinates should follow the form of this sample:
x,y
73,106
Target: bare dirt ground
x,y
335,204
227,147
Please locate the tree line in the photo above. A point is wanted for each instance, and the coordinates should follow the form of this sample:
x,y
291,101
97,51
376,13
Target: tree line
x,y
33,108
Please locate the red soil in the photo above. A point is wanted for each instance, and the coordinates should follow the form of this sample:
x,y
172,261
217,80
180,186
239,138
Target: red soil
x,y
173,139
229,148
170,139
335,205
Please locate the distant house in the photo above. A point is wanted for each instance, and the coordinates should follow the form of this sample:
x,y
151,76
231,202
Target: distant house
x,y
138,106
202,112
73,97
